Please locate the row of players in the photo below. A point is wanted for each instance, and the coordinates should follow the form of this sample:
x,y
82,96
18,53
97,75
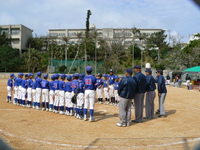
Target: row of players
x,y
57,93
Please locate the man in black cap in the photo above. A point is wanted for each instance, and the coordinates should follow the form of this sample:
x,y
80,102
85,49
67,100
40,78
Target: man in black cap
x,y
140,80
150,94
162,92
126,91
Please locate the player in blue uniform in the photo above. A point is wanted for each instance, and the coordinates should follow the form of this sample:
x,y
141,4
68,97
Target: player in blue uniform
x,y
29,90
74,92
24,86
20,88
51,93
16,90
80,97
62,93
89,84
111,78
99,85
10,88
105,88
56,87
45,93
116,84
38,90
34,102
68,95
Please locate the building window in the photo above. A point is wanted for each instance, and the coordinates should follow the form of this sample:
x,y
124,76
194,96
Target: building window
x,y
53,34
61,34
72,34
15,42
15,31
5,31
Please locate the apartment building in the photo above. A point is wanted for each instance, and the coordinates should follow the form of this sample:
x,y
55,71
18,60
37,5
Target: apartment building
x,y
19,35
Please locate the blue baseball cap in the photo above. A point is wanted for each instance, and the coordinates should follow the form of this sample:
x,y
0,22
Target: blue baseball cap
x,y
39,73
81,76
129,70
105,75
137,67
12,75
52,77
56,75
30,74
76,75
116,77
46,75
20,74
69,77
89,68
62,76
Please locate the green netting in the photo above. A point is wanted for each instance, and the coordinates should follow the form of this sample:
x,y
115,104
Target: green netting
x,y
76,66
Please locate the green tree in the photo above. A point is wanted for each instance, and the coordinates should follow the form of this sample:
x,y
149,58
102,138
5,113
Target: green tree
x,y
4,39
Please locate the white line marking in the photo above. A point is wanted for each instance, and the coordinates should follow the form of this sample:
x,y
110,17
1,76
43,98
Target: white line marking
x,y
81,146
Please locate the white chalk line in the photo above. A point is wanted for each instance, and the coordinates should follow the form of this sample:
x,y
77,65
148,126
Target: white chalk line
x,y
82,146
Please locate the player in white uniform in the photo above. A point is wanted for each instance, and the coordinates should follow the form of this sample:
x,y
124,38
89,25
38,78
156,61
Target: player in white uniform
x,y
24,86
68,95
56,87
38,89
10,88
62,93
99,90
29,90
51,93
34,103
45,93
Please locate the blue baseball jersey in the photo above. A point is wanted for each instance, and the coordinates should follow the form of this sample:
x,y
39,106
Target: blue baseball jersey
x,y
111,79
62,85
80,86
99,82
74,85
30,83
68,86
51,85
10,82
24,84
89,82
16,82
20,81
56,84
116,85
45,84
34,85
105,83
38,82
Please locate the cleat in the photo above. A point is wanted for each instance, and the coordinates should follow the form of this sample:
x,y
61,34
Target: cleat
x,y
47,109
61,113
121,125
43,109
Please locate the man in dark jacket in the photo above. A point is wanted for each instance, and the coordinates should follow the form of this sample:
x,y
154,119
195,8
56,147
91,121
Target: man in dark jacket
x,y
126,91
150,94
162,92
140,80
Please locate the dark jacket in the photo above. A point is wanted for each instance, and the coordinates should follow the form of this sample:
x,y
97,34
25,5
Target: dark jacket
x,y
140,80
151,86
161,84
126,88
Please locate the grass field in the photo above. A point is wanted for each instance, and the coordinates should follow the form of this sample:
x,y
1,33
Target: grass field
x,y
27,129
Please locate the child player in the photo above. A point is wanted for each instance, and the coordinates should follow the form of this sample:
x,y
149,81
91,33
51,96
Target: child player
x,y
10,88
68,95
99,88
105,88
45,93
116,83
51,93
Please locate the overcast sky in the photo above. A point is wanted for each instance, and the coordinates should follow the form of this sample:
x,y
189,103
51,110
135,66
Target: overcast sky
x,y
179,16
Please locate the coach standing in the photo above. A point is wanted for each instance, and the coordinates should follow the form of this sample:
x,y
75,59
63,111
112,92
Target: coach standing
x,y
162,92
126,91
150,94
140,80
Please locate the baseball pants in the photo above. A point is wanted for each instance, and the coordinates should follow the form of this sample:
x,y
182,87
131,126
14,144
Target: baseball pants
x,y
45,95
139,102
9,90
38,94
19,93
56,102
168,82
161,100
29,94
105,90
23,93
187,82
80,99
116,96
61,98
111,91
34,96
68,97
99,92
150,96
89,98
51,95
125,111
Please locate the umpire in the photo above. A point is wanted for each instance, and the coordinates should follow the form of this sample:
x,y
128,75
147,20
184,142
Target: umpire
x,y
140,80
126,91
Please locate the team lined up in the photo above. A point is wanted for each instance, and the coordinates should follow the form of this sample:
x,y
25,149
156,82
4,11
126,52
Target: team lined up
x,y
56,95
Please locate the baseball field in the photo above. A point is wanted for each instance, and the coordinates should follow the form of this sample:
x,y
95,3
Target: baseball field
x,y
28,129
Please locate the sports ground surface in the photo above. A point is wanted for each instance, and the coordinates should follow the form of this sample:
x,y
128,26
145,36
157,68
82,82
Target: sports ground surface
x,y
27,129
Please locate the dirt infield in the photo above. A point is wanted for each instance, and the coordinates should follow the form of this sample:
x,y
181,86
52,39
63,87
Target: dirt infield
x,y
27,129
